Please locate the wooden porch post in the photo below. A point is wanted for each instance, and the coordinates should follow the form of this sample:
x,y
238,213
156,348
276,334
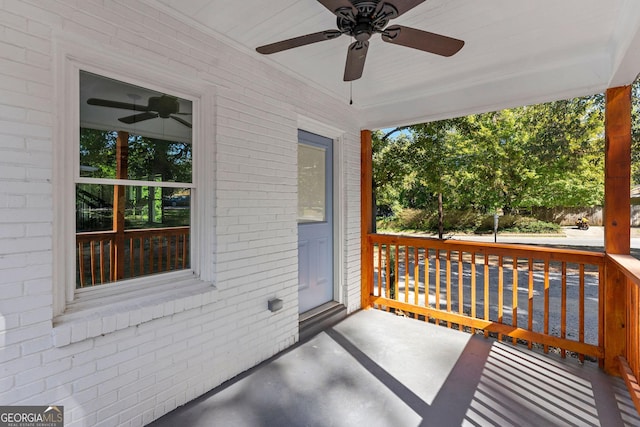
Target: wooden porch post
x,y
119,203
366,221
617,219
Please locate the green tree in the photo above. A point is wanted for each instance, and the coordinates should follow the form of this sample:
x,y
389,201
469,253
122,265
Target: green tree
x,y
544,155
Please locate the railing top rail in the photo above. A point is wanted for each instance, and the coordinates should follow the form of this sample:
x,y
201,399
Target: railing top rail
x,y
629,265
157,231
95,235
504,249
141,232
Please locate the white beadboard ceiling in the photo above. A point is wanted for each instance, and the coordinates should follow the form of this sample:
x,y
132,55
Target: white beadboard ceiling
x,y
516,52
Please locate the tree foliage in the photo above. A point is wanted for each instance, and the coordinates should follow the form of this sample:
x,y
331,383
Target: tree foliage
x,y
545,155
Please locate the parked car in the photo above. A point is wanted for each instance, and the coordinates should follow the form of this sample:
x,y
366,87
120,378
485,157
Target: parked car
x,y
175,201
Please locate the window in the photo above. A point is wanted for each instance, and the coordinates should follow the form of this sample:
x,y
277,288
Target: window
x,y
134,182
133,189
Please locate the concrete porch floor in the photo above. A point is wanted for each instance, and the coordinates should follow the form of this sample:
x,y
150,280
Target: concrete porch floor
x,y
378,369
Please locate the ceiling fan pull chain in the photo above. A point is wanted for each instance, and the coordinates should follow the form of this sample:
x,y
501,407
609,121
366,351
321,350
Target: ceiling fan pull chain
x,y
351,93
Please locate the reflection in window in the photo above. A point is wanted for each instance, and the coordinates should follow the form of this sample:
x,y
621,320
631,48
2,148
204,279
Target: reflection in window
x,y
134,186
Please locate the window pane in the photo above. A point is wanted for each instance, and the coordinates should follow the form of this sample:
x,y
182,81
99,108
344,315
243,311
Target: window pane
x,y
144,207
311,184
140,158
154,236
131,132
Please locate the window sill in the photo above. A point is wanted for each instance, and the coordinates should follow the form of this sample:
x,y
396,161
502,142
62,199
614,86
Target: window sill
x,y
97,312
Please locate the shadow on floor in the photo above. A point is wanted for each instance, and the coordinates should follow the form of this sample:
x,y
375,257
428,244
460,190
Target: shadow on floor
x,y
378,369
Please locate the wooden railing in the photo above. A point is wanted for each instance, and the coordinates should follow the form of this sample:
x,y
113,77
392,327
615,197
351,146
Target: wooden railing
x,y
532,295
629,365
145,251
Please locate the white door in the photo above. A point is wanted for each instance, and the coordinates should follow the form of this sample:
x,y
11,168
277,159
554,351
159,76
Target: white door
x,y
315,220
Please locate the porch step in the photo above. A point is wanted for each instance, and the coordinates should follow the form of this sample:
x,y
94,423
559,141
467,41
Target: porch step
x,y
320,318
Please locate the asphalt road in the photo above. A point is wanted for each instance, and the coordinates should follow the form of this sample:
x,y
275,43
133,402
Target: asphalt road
x,y
591,239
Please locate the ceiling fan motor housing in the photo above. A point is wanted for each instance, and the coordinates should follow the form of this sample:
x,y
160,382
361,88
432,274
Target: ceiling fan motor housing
x,y
164,105
371,18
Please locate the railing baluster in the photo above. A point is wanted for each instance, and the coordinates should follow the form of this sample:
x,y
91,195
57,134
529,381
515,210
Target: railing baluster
x,y
601,314
406,274
102,261
448,283
437,280
486,291
473,288
379,251
168,241
176,252
141,255
132,272
530,297
500,292
416,276
387,278
160,246
514,299
396,277
460,289
151,239
632,325
92,248
427,280
184,250
112,260
81,262
581,309
546,302
563,308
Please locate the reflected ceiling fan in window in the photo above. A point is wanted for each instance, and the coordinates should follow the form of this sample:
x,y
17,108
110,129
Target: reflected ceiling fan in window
x,y
360,19
164,106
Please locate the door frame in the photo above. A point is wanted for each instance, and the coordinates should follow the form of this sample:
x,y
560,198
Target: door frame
x,y
337,135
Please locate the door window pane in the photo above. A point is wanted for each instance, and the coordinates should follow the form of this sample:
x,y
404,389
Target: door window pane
x,y
311,184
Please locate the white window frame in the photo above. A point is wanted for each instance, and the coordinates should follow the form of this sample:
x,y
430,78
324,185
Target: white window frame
x,y
72,57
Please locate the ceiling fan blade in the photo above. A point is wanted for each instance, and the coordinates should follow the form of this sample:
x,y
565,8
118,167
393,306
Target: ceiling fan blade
x,y
356,56
403,6
138,118
183,121
116,104
422,40
298,41
335,5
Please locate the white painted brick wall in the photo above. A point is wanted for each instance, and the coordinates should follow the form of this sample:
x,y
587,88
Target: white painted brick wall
x,y
134,374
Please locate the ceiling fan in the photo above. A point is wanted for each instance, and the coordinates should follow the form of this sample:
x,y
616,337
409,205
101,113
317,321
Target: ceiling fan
x,y
164,106
360,19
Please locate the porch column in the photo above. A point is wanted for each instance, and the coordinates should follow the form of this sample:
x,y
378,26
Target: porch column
x,y
617,219
366,221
